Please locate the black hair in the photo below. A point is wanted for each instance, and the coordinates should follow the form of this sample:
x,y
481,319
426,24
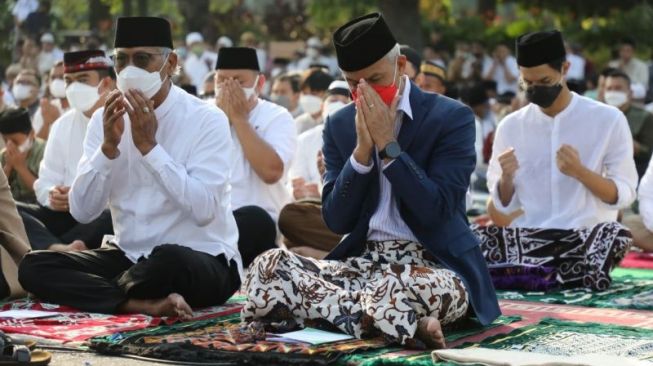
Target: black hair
x,y
292,79
630,41
316,80
608,70
620,74
110,72
557,63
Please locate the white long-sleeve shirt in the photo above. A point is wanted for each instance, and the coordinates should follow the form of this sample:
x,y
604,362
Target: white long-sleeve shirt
x,y
549,198
645,195
178,193
304,165
63,151
276,127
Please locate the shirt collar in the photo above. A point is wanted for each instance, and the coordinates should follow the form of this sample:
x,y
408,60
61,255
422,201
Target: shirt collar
x,y
167,104
404,101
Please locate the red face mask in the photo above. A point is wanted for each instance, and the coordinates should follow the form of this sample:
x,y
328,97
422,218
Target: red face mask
x,y
386,92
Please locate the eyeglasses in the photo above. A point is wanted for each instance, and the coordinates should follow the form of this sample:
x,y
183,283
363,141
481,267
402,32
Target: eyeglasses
x,y
138,59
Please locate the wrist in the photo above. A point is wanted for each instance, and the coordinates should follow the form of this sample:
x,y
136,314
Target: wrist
x,y
146,148
363,155
110,151
506,179
580,173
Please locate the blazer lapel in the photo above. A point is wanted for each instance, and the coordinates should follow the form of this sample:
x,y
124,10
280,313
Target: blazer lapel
x,y
409,128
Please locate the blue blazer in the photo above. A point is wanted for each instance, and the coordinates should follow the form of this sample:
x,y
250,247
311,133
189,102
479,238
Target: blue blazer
x,y
429,181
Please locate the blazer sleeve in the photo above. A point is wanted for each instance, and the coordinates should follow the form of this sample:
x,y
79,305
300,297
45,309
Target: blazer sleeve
x,y
344,189
435,193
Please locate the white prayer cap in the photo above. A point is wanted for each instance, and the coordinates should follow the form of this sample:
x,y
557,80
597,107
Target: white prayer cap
x,y
194,37
314,42
47,38
639,91
225,42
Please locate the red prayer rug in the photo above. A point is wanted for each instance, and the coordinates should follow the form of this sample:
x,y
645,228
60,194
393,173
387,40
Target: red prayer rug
x,y
637,260
76,326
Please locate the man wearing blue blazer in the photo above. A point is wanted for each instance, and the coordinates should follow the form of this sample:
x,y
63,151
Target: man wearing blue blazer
x,y
398,164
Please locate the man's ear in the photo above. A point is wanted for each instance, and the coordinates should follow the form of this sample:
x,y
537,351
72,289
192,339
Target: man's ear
x,y
401,64
172,62
261,83
565,68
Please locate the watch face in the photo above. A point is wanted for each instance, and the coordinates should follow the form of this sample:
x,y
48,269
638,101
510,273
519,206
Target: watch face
x,y
393,150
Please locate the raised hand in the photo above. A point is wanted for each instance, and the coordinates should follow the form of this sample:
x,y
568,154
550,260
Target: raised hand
x,y
114,123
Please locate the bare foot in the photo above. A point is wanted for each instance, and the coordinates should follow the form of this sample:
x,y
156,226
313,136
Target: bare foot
x,y
75,246
309,252
429,331
172,306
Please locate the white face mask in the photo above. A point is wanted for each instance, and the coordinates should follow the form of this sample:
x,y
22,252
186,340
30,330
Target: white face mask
x,y
331,108
249,92
132,77
616,98
82,96
58,88
21,91
25,146
310,103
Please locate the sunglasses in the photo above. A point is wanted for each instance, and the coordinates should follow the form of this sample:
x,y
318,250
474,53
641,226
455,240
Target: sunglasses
x,y
139,59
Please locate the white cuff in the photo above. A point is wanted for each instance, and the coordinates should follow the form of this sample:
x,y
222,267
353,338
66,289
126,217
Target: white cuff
x,y
157,158
360,168
624,196
101,163
511,207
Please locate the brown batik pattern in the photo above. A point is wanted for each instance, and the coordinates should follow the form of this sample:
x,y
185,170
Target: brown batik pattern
x,y
388,289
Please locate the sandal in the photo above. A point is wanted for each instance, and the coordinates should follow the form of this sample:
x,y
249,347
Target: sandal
x,y
14,354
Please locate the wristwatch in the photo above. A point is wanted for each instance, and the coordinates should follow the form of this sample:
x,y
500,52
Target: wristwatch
x,y
391,151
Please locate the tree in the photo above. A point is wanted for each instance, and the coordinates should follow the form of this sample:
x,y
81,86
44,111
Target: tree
x,y
404,19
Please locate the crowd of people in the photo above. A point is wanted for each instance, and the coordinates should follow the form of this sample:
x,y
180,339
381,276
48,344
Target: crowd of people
x,y
148,177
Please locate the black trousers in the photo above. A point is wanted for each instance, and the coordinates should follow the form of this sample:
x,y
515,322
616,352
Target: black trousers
x,y
45,227
257,232
101,280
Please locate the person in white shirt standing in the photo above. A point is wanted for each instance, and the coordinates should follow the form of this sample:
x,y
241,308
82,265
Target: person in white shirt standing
x,y
89,77
264,145
159,158
567,162
199,61
503,70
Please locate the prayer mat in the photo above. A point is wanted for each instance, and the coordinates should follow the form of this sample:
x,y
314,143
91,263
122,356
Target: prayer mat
x,y
76,326
626,292
226,340
638,260
404,357
565,338
532,313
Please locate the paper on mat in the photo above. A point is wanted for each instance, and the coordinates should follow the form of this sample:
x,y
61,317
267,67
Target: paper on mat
x,y
26,314
312,336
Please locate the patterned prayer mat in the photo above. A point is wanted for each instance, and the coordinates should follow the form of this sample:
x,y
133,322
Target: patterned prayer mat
x,y
564,338
75,326
630,289
226,340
